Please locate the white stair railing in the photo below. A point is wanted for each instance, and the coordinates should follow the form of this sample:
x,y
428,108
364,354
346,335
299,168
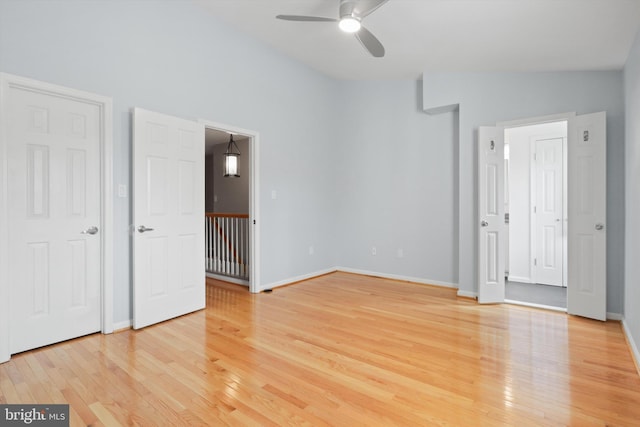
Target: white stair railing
x,y
227,244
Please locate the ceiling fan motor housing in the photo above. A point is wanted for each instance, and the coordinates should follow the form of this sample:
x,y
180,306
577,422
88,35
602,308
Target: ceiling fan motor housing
x,y
347,8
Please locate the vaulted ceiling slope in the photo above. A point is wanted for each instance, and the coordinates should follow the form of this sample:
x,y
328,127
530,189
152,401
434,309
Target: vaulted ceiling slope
x,y
446,35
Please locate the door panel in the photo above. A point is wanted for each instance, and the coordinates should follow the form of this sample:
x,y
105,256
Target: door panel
x,y
549,214
491,214
53,181
169,267
586,294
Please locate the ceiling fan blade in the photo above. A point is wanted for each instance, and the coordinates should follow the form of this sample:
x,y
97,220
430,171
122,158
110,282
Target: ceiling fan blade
x,y
367,7
305,18
370,42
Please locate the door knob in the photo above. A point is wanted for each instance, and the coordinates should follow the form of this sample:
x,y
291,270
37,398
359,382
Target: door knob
x,y
142,229
484,223
90,230
599,226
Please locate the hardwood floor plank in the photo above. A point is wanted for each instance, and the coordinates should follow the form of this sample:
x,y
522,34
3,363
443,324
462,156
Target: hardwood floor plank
x,y
79,406
341,350
104,415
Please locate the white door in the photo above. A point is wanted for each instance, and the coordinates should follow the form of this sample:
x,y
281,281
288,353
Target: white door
x,y
168,191
53,199
491,228
586,293
549,215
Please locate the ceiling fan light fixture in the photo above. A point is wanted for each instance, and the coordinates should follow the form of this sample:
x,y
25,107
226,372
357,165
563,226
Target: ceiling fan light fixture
x,y
349,24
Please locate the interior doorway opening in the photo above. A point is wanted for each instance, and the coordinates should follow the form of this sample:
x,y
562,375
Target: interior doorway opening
x,y
586,212
228,236
536,221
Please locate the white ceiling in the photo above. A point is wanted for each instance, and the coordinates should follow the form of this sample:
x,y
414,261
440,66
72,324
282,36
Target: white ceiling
x,y
215,137
447,35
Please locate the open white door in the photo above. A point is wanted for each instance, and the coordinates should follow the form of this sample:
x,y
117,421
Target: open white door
x,y
168,217
491,214
586,293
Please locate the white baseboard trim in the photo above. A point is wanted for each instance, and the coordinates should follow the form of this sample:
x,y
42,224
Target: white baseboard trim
x,y
530,304
119,326
635,354
520,279
398,277
361,272
467,294
614,316
228,279
297,279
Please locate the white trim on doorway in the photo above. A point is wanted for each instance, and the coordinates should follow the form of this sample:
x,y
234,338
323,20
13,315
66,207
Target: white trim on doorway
x,y
105,105
254,198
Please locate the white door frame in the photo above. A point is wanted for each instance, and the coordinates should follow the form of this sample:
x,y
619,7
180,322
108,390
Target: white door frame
x,y
105,106
254,194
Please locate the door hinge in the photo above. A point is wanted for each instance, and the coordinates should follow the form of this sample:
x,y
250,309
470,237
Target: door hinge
x,y
535,209
535,261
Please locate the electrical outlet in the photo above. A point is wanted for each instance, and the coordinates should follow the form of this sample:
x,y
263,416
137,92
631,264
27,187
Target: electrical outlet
x,y
274,195
400,253
374,251
311,250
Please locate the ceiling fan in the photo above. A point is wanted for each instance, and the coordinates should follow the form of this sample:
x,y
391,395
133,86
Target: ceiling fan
x,y
351,13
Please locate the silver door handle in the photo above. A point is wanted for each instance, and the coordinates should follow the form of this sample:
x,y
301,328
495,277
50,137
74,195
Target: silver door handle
x,y
599,226
484,223
90,230
142,229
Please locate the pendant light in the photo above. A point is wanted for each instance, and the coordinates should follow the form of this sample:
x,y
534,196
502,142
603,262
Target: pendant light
x,y
231,159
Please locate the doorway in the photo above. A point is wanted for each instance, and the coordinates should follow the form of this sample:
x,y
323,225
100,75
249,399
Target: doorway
x,y
169,216
535,203
586,212
227,207
236,254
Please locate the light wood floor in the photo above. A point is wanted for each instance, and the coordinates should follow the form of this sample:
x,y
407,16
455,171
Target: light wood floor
x,y
340,350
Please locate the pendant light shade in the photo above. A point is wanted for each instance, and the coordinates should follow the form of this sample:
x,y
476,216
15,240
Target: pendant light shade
x,y
232,159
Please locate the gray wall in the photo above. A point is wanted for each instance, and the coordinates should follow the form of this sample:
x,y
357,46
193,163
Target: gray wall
x,y
209,190
486,98
173,57
632,201
227,194
396,183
